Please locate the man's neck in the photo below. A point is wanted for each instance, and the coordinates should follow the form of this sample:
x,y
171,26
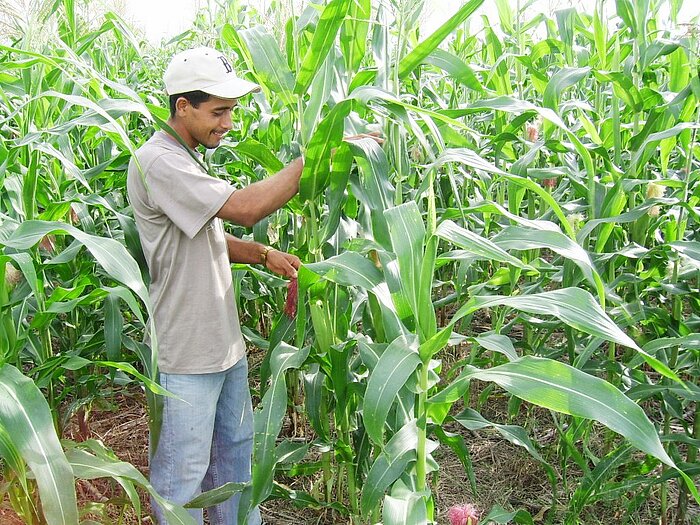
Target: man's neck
x,y
180,133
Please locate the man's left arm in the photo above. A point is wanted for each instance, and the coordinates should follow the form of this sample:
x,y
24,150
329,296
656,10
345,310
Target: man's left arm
x,y
251,252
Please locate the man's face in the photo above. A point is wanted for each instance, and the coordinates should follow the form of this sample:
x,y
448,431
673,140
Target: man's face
x,y
207,123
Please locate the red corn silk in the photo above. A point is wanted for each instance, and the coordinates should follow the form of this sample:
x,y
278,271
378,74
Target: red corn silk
x,y
290,305
466,514
550,183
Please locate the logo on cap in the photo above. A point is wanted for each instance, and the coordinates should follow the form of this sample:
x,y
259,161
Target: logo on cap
x,y
228,67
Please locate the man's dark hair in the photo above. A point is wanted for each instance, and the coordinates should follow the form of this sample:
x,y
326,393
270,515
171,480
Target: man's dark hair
x,y
193,97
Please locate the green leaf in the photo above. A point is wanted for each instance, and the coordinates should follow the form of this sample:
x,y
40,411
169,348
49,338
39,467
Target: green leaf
x,y
150,384
349,269
268,64
336,194
626,11
113,326
375,191
389,465
260,153
103,118
111,254
561,80
427,321
573,306
100,465
546,197
513,105
317,164
407,233
654,138
26,418
13,459
594,480
467,157
455,67
498,343
268,419
689,249
458,445
563,388
518,238
688,341
326,30
425,48
404,112
321,88
509,105
395,366
26,265
623,88
353,34
404,507
480,246
215,496
499,515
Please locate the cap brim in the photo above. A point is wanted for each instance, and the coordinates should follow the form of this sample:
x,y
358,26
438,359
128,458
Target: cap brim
x,y
234,88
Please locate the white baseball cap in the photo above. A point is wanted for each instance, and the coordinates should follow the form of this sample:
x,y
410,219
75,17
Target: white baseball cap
x,y
205,69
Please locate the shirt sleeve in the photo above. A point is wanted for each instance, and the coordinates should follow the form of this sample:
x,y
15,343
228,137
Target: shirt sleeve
x,y
186,194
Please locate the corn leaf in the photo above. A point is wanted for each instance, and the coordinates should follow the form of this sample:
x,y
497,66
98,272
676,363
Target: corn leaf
x,y
324,36
353,33
404,507
111,254
476,244
425,48
472,420
576,308
407,233
561,80
518,238
396,364
455,67
269,67
268,419
389,465
563,388
26,419
317,165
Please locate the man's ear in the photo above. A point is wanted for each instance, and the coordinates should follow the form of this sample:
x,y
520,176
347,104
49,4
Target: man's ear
x,y
180,105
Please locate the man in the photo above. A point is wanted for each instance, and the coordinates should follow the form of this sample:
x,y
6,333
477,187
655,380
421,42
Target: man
x,y
207,432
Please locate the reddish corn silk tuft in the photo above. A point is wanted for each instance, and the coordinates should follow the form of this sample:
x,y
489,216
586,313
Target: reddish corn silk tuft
x,y
532,133
463,515
290,306
47,243
532,129
550,182
12,276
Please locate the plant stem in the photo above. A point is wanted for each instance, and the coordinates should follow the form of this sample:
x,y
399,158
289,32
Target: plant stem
x,y
421,460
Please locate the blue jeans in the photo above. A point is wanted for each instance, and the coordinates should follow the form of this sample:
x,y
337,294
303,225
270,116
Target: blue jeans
x,y
206,440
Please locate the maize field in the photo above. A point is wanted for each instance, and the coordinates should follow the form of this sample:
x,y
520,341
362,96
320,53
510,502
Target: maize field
x,y
527,237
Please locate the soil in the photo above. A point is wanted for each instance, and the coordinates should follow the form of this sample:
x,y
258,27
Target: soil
x,y
506,475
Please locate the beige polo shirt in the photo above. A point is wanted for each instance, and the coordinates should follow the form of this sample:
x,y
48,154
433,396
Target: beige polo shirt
x,y
174,203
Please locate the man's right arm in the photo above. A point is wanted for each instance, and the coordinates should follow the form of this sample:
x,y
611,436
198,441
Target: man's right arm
x,y
249,205
255,202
